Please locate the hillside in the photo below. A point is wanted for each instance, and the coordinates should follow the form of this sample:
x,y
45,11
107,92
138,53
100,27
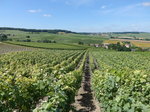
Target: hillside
x,y
132,35
69,37
60,36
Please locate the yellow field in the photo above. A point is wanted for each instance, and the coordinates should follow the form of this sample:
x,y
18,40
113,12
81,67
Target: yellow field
x,y
141,44
111,41
138,43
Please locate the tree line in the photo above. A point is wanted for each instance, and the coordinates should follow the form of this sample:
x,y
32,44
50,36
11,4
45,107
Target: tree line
x,y
55,31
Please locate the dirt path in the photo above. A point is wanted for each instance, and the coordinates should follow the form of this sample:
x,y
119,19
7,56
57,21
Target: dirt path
x,y
84,101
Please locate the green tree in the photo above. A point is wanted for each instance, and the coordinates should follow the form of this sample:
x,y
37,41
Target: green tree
x,y
80,43
3,37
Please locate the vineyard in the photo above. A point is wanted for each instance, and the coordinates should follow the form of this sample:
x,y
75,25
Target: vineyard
x,y
74,55
42,80
121,82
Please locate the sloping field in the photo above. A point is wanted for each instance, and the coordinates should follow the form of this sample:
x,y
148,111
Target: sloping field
x,y
138,43
5,48
57,46
59,38
140,35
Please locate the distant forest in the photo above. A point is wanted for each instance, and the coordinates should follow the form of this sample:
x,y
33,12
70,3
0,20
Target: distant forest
x,y
36,30
55,31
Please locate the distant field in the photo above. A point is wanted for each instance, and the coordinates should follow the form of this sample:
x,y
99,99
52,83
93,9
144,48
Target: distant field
x,y
59,38
138,43
140,35
6,48
50,45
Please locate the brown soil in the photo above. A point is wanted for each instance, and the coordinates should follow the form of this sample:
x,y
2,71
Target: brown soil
x,y
6,48
84,101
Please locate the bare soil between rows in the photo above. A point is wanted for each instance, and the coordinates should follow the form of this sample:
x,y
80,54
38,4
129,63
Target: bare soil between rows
x,y
7,48
85,101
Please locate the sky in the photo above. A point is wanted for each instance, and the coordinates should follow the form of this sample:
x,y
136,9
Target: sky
x,y
77,15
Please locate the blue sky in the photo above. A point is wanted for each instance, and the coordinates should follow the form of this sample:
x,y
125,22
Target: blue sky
x,y
77,15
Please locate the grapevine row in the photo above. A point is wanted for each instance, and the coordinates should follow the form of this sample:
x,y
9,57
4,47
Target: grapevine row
x,y
26,77
122,82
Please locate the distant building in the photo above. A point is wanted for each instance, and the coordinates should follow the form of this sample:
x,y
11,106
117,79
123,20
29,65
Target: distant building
x,y
128,45
95,45
105,45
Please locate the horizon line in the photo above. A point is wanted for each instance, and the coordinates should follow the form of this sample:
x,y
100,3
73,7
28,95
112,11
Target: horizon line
x,y
77,31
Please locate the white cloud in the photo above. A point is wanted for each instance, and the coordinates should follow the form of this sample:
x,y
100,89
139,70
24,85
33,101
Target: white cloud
x,y
34,11
47,15
125,10
146,4
103,7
